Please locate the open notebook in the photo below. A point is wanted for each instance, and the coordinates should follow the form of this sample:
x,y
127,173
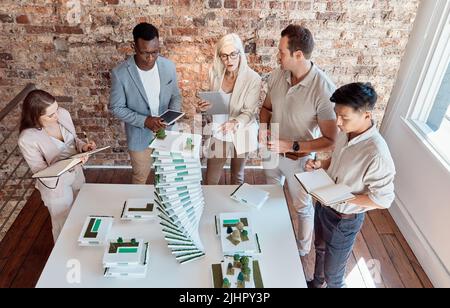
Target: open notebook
x,y
62,166
319,185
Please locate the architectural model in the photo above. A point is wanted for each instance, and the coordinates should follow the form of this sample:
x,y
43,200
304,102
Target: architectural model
x,y
95,231
178,192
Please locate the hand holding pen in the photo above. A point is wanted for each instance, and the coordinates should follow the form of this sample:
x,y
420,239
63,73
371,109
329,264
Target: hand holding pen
x,y
90,145
313,164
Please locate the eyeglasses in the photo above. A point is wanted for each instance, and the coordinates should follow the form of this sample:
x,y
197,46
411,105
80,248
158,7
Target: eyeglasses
x,y
232,56
153,54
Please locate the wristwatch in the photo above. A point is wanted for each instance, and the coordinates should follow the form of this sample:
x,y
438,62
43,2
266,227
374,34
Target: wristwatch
x,y
296,146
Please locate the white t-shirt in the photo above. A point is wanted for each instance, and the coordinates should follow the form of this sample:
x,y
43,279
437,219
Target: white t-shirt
x,y
152,86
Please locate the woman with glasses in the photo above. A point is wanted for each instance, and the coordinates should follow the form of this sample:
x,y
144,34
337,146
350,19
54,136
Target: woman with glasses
x,y
240,88
47,135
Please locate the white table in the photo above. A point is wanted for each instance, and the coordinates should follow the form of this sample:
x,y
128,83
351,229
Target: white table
x,y
280,262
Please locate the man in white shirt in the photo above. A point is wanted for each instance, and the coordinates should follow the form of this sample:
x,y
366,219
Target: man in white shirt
x,y
302,121
362,161
144,87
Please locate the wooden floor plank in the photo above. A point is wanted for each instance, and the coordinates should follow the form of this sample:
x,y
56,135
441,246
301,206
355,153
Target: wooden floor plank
x,y
353,276
361,252
121,176
105,176
378,251
408,251
34,264
401,262
260,177
379,220
15,262
22,222
91,175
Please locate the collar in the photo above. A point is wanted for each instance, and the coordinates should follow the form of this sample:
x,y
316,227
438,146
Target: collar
x,y
364,136
306,82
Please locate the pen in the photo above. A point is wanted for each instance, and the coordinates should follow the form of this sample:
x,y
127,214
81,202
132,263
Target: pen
x,y
86,136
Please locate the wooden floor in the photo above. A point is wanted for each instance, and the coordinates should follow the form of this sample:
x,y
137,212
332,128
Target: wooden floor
x,y
381,257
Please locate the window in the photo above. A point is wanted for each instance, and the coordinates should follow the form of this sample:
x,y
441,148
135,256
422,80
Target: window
x,y
430,115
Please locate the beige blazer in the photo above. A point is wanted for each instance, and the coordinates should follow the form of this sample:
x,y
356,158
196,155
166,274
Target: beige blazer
x,y
40,152
244,104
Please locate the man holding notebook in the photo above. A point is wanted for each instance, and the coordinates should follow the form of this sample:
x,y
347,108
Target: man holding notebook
x,y
144,87
361,161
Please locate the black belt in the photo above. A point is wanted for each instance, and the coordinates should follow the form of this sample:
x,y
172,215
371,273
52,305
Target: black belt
x,y
339,214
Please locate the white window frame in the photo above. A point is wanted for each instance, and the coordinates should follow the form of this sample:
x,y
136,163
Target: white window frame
x,y
433,72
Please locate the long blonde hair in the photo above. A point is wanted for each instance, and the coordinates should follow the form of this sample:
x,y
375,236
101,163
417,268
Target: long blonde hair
x,y
230,39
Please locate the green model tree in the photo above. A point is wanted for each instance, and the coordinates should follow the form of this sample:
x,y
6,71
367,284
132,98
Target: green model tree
x,y
244,261
189,144
241,280
246,271
230,270
120,240
226,283
236,261
161,134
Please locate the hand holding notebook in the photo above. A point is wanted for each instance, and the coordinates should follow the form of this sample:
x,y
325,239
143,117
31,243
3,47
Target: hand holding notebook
x,y
62,166
318,184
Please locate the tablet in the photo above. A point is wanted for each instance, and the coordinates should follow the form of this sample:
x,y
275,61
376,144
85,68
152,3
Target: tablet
x,y
218,104
171,116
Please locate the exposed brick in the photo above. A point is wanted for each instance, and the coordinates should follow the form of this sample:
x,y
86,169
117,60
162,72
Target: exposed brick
x,y
39,29
64,99
6,56
68,30
215,4
71,54
230,4
22,19
6,18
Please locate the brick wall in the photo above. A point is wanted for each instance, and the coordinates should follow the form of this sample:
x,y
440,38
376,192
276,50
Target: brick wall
x,y
68,47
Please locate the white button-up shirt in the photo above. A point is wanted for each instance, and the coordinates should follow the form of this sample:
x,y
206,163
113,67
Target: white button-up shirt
x,y
366,166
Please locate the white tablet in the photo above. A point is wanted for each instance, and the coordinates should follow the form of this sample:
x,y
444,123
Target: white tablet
x,y
171,116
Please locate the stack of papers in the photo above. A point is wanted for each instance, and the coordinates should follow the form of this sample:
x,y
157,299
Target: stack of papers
x,y
237,235
178,193
138,209
250,196
95,231
126,258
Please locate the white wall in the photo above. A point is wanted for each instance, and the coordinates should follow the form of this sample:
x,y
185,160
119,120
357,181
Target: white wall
x,y
422,205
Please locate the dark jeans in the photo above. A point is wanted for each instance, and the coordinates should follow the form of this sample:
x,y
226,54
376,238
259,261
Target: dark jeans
x,y
334,242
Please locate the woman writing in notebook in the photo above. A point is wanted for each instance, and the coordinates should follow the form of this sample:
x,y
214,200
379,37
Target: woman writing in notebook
x,y
47,135
240,88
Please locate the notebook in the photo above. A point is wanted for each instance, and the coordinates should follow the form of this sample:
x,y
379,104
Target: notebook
x,y
81,155
250,195
319,185
58,168
62,166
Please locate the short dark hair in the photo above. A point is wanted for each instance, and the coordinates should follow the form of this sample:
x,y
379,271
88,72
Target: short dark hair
x,y
145,31
300,38
360,96
34,106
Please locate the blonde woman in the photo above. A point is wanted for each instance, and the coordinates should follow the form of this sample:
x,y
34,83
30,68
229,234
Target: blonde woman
x,y
240,87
